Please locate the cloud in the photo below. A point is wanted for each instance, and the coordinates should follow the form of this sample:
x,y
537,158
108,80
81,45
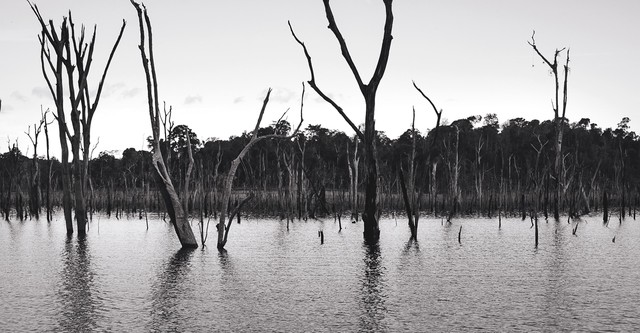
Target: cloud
x,y
129,93
193,99
281,95
111,89
41,92
18,96
6,107
239,99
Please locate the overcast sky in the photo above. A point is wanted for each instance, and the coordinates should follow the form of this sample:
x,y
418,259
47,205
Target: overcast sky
x,y
216,59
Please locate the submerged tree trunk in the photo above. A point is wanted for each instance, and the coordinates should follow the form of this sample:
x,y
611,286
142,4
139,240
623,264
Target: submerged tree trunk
x,y
172,201
413,227
368,90
74,57
34,193
370,213
558,119
49,169
224,224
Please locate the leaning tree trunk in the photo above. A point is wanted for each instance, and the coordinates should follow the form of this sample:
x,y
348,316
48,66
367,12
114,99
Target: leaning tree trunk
x,y
172,201
224,224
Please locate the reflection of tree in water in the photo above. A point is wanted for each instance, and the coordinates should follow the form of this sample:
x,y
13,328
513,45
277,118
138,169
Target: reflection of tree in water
x,y
77,290
411,246
556,297
168,293
225,262
372,289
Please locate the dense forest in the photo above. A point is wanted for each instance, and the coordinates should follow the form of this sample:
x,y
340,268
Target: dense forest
x,y
470,166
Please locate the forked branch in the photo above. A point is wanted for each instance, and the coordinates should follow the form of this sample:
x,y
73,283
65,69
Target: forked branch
x,y
312,84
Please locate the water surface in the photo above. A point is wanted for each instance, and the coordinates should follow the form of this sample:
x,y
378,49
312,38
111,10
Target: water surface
x,y
123,277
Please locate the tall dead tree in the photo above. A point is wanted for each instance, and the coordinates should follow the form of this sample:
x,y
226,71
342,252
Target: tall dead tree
x,y
72,57
353,163
224,224
408,190
559,119
433,164
34,190
49,167
172,202
368,90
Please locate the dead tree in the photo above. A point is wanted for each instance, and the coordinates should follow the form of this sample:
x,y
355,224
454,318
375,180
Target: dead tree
x,y
453,164
559,119
408,190
538,177
187,176
353,179
34,191
430,157
49,167
368,90
72,57
172,202
224,224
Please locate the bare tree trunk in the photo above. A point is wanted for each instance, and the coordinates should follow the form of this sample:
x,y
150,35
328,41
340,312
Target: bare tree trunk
x,y
82,108
353,179
368,90
34,193
187,177
434,165
413,228
455,188
479,172
49,169
174,206
223,230
558,120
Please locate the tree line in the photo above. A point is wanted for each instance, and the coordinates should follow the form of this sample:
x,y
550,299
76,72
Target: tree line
x,y
473,165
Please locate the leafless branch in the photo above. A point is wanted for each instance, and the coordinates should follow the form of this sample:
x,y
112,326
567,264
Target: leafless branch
x,y
312,84
343,45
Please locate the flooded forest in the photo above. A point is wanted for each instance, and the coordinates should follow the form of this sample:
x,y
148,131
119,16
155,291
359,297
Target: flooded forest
x,y
325,222
471,167
475,166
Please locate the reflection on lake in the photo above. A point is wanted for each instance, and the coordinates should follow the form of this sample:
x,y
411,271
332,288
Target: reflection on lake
x,y
76,294
123,277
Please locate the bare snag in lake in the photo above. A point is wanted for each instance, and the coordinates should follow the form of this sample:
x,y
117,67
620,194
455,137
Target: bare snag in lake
x,y
173,204
72,57
35,197
224,225
559,119
368,90
411,202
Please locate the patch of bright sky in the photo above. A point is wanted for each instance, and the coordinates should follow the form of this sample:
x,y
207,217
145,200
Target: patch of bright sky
x,y
216,59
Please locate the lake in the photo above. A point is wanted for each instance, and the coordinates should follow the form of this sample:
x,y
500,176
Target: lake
x,y
123,277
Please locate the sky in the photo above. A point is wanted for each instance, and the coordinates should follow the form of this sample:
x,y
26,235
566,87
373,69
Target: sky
x,y
216,60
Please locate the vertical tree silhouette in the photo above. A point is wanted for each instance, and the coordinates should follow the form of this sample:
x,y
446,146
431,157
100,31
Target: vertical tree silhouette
x,y
368,90
34,188
558,119
72,57
172,202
